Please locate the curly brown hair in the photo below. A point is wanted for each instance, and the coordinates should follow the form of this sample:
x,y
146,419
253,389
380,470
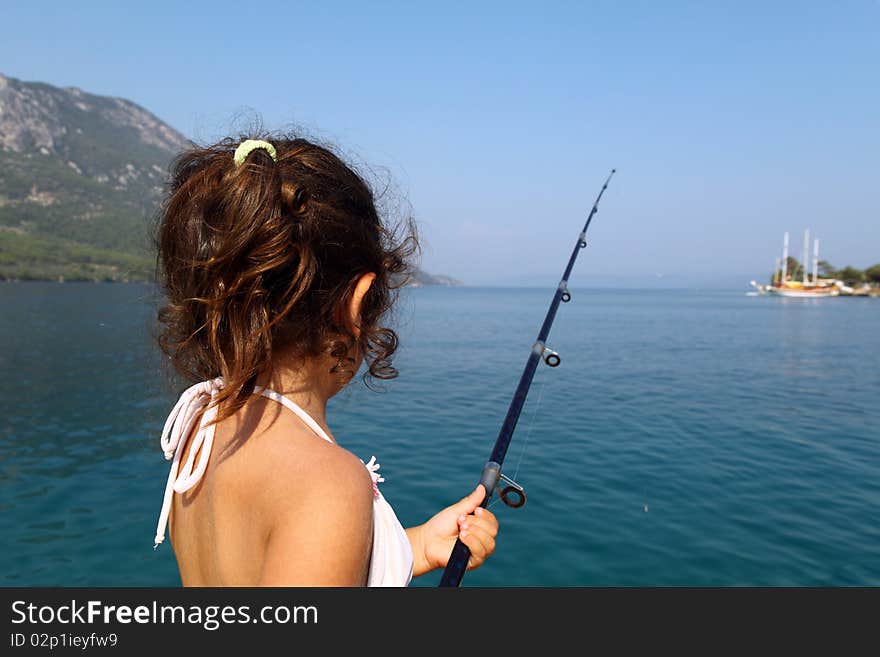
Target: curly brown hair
x,y
263,258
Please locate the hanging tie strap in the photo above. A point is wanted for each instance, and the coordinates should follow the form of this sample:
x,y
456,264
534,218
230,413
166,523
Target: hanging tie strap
x,y
177,427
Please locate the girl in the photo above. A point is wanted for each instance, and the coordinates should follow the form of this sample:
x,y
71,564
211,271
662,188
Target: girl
x,y
277,272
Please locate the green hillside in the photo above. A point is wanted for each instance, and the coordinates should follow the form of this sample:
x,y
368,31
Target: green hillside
x,y
80,178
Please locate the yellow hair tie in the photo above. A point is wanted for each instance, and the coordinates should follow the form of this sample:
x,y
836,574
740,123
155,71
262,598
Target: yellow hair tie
x,y
244,149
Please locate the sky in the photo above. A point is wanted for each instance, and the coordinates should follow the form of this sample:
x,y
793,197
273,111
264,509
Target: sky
x,y
496,122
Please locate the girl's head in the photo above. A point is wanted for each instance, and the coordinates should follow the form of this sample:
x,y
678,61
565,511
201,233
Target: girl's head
x,y
260,262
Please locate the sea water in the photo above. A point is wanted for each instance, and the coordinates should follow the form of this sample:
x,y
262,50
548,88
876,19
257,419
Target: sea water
x,y
689,437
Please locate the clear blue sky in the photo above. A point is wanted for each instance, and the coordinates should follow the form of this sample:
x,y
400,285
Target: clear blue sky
x,y
729,122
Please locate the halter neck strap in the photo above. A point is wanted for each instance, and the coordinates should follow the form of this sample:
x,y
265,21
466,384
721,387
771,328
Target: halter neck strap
x,y
179,425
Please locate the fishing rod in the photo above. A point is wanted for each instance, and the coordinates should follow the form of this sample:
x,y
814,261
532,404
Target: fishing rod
x,y
511,493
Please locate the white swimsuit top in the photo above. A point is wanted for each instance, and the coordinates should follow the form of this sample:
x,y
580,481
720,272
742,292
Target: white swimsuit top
x,y
391,561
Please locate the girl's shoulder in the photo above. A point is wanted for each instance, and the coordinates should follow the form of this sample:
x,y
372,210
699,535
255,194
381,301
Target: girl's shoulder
x,y
288,462
316,504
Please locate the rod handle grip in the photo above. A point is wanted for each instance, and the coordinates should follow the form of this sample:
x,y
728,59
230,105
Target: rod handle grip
x,y
461,554
457,565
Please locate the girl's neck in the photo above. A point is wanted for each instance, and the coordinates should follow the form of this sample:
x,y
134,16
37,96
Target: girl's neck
x,y
309,386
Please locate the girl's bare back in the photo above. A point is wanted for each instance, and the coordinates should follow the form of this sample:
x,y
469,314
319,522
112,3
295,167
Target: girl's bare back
x,y
263,457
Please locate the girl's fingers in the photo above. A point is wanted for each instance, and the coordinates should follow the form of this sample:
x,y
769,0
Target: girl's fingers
x,y
488,526
477,530
488,517
487,539
480,542
485,524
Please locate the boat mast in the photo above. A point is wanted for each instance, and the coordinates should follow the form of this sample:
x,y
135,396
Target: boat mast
x,y
784,258
815,261
806,253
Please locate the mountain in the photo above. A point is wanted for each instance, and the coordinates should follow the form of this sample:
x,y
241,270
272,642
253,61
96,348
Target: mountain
x,y
80,176
421,278
80,179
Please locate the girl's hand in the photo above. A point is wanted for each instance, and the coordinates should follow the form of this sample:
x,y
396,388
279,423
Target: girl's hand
x,y
475,526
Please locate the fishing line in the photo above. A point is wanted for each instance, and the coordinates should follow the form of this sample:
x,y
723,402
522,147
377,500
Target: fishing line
x,y
531,424
522,452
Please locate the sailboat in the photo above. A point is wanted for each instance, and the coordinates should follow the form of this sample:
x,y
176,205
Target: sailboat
x,y
808,288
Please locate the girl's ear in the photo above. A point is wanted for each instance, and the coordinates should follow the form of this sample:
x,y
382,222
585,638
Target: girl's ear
x,y
360,290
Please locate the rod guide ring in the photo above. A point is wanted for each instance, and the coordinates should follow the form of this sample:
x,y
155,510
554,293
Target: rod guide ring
x,y
513,495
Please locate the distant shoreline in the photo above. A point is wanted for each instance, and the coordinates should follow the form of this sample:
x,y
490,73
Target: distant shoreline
x,y
733,290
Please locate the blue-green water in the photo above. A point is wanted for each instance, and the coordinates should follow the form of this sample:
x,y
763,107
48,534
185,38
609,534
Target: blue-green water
x,y
688,438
